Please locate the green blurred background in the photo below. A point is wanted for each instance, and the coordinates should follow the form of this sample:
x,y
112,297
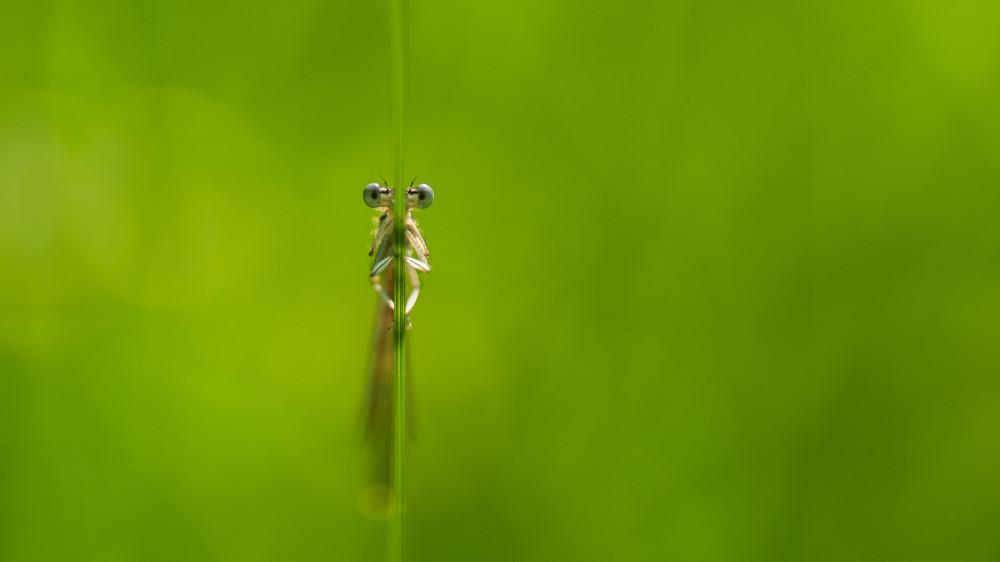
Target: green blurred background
x,y
713,280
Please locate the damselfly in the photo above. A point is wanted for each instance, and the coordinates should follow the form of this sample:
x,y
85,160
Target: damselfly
x,y
383,243
379,422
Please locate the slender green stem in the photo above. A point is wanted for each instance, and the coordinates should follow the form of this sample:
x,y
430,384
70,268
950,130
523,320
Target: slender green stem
x,y
399,46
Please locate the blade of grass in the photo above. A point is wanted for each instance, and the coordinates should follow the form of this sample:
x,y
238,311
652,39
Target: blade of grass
x,y
399,46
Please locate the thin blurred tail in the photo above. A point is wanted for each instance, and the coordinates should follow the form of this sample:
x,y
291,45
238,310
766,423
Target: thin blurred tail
x,y
379,416
379,413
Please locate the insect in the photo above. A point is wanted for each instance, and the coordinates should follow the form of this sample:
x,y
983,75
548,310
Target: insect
x,y
383,243
380,391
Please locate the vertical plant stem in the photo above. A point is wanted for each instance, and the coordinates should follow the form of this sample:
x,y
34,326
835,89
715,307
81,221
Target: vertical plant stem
x,y
399,47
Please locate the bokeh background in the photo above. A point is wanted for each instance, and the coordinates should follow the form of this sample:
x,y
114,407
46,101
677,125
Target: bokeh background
x,y
713,280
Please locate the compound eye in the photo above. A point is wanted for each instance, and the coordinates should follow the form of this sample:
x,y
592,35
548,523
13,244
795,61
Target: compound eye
x,y
425,196
372,194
